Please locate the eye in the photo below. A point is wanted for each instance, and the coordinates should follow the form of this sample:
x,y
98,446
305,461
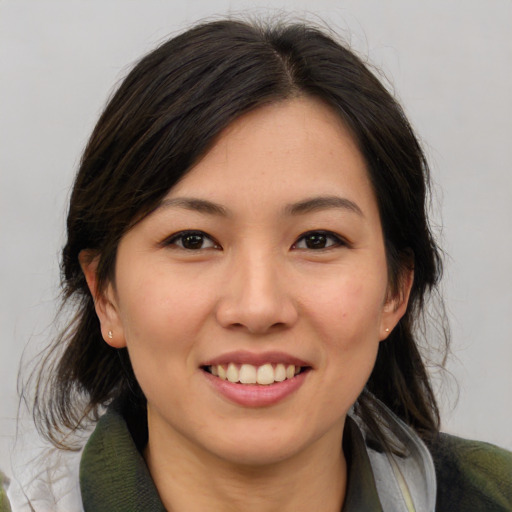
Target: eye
x,y
192,241
318,240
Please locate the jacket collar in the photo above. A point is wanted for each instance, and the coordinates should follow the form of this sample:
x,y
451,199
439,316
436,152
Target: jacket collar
x,y
114,476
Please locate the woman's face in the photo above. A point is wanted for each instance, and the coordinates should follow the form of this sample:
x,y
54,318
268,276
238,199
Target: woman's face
x,y
265,262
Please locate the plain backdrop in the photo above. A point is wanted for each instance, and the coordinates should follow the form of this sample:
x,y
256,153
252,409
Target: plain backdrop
x,y
448,62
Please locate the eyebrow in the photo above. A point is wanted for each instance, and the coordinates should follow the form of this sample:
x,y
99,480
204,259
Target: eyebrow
x,y
194,204
323,203
302,207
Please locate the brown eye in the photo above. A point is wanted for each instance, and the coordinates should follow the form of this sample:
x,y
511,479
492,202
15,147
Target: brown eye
x,y
192,241
318,240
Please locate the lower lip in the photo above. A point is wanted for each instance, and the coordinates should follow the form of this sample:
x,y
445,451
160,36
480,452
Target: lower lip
x,y
255,395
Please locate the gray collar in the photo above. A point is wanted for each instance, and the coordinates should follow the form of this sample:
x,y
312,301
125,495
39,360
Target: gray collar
x,y
406,480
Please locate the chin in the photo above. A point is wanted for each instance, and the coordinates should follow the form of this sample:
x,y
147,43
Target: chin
x,y
264,444
258,453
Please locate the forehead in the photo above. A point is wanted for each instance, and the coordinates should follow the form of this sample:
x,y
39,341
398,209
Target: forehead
x,y
278,153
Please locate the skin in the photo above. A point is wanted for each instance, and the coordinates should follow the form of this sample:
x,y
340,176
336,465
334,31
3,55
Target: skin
x,y
255,285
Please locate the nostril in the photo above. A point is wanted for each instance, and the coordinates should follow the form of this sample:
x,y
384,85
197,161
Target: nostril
x,y
258,328
255,316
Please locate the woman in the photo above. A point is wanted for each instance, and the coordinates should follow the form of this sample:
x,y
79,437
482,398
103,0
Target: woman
x,y
249,253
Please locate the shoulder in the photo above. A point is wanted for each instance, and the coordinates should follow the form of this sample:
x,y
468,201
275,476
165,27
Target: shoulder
x,y
471,475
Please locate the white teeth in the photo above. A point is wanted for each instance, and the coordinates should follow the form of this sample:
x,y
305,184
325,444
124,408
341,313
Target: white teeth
x,y
232,374
265,374
280,373
250,374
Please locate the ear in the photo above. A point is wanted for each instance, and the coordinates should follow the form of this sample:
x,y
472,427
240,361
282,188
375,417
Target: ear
x,y
396,304
104,301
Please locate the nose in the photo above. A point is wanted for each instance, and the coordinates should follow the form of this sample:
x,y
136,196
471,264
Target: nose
x,y
256,297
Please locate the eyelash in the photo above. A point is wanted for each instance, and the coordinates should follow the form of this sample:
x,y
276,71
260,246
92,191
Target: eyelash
x,y
319,234
338,241
181,236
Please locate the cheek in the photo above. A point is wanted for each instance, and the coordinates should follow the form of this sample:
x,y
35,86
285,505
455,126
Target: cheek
x,y
162,307
161,317
346,316
348,310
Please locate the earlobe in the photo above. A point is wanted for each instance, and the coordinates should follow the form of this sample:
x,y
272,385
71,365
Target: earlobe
x,y
396,305
104,301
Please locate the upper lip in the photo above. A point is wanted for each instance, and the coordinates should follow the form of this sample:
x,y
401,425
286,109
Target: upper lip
x,y
255,359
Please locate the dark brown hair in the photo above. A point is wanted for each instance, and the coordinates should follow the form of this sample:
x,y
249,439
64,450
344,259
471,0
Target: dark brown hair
x,y
163,118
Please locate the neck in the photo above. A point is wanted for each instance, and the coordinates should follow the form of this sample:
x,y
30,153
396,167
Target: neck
x,y
189,480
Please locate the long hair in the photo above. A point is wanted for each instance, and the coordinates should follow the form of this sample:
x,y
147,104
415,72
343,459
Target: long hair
x,y
163,118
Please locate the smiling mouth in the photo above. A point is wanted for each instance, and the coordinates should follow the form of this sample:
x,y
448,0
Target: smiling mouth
x,y
265,375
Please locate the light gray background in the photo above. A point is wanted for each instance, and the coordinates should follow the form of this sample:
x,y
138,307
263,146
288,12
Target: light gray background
x,y
450,63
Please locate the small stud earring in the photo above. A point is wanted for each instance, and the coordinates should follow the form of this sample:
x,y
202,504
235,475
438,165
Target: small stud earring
x,y
387,329
110,335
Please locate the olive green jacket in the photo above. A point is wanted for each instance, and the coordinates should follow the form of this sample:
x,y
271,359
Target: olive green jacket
x,y
4,503
471,476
